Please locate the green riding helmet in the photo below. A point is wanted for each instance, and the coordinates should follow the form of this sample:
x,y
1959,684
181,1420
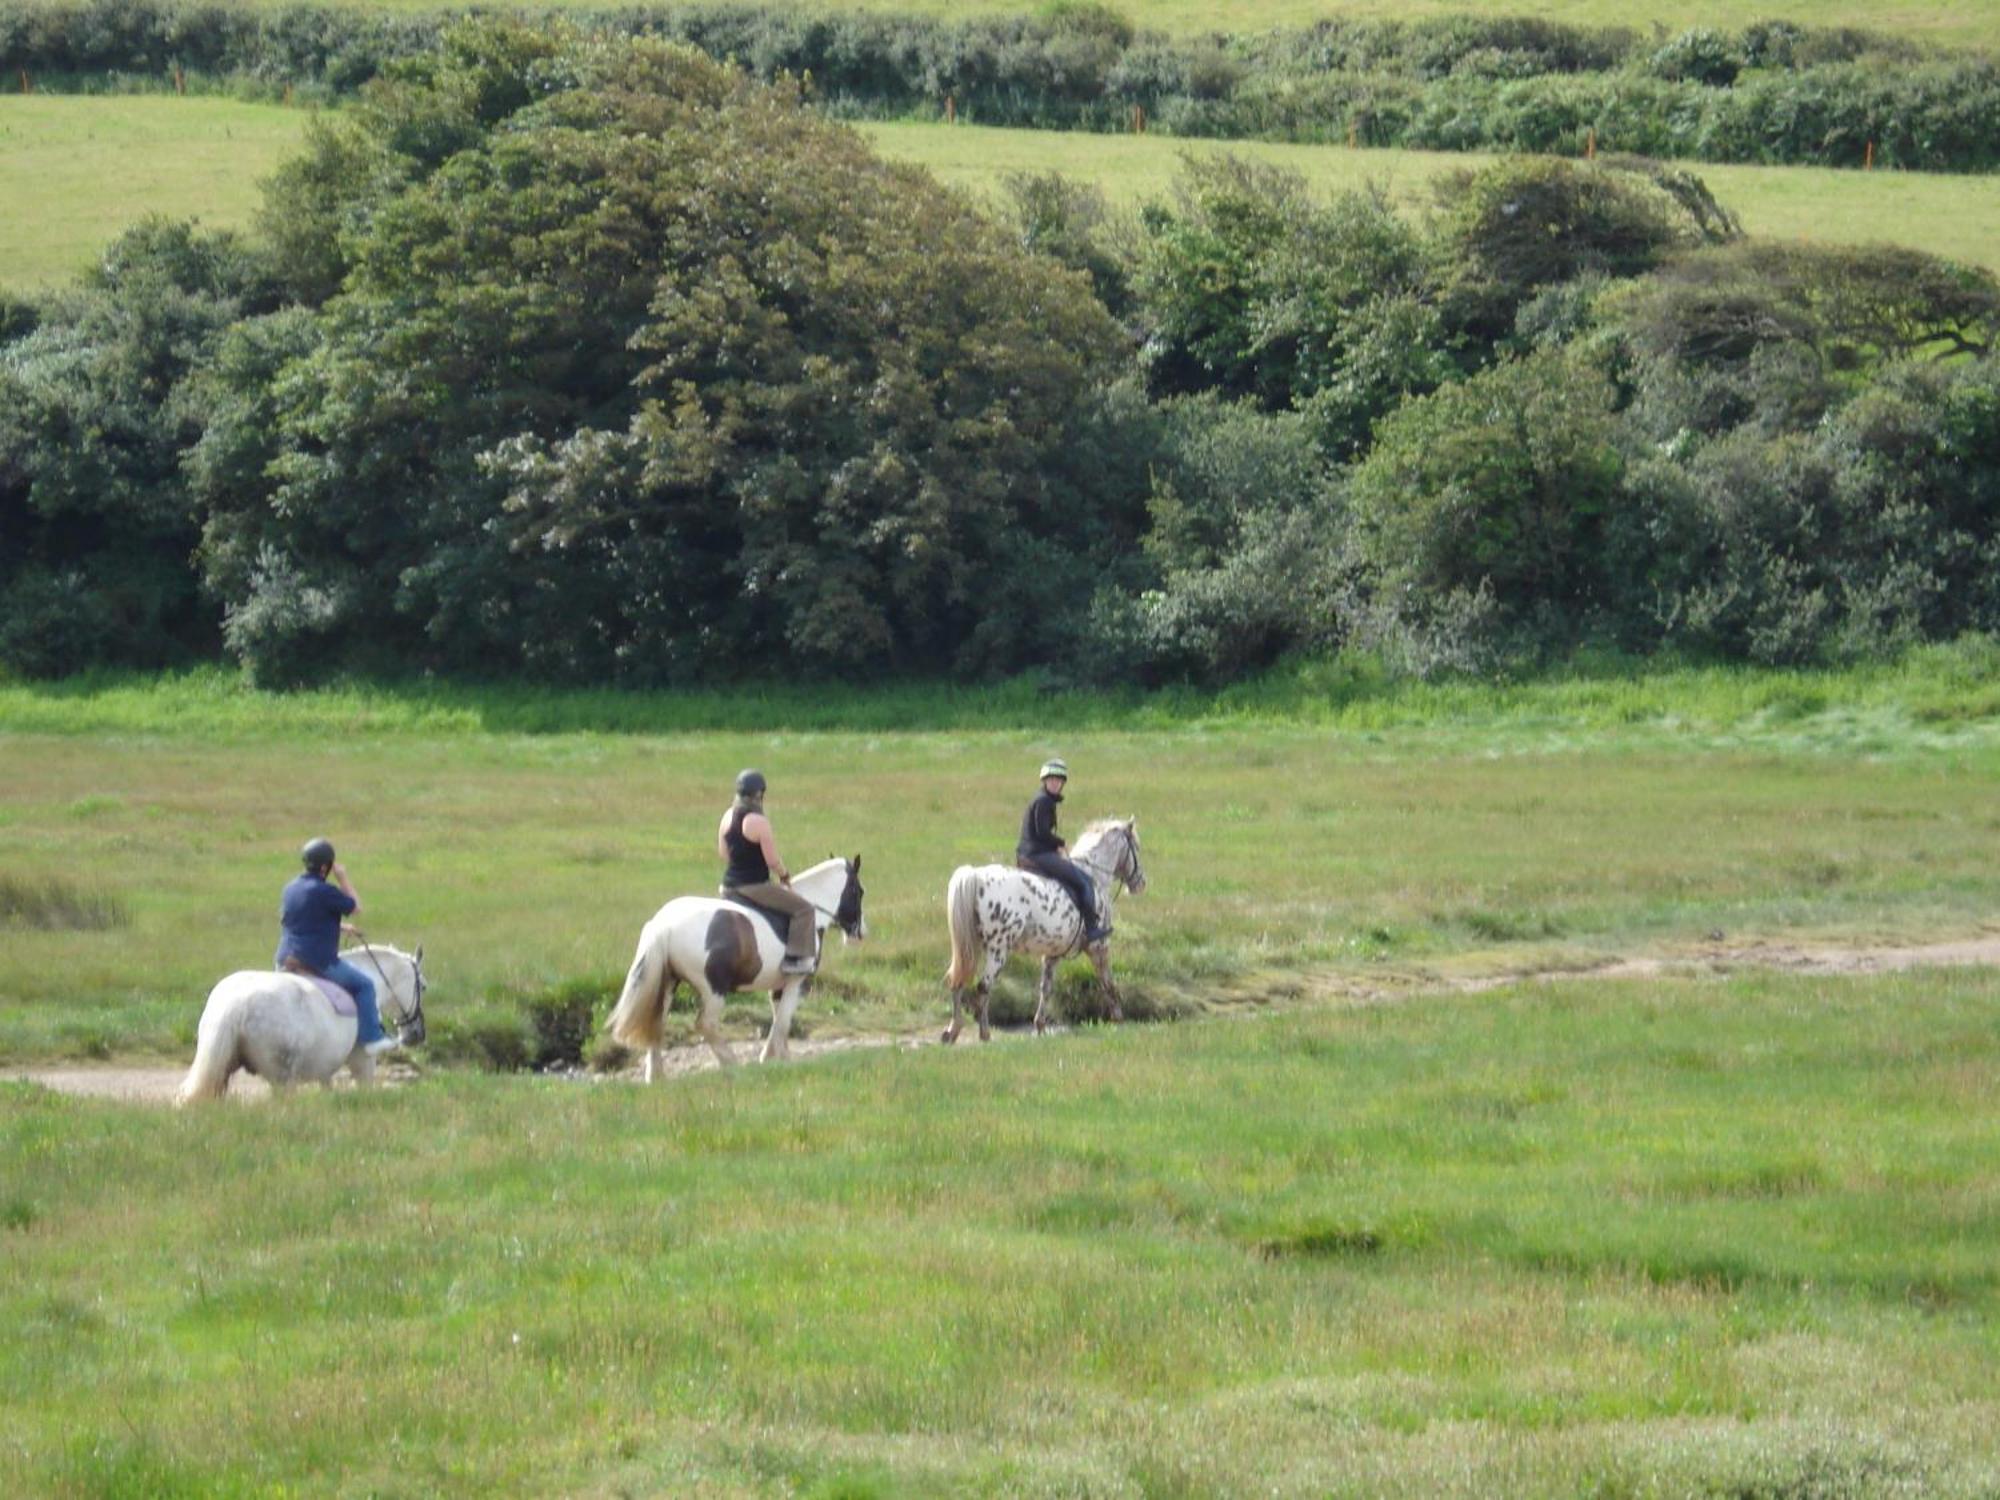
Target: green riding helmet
x,y
750,784
1054,768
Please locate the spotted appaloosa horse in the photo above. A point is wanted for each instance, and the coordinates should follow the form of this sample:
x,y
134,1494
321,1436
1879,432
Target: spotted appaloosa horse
x,y
996,911
717,948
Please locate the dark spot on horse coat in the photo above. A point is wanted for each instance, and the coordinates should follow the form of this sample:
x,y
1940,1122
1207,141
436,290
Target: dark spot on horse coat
x,y
731,946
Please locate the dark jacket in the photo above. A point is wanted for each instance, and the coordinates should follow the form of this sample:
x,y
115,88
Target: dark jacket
x,y
1038,827
309,916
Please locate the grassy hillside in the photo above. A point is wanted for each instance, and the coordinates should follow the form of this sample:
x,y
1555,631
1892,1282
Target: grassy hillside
x,y
90,166
1596,1238
76,171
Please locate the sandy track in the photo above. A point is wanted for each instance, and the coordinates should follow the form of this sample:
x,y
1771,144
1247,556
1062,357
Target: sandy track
x,y
157,1085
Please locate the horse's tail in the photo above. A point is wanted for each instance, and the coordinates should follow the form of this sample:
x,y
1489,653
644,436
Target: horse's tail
x,y
962,912
642,1008
217,1043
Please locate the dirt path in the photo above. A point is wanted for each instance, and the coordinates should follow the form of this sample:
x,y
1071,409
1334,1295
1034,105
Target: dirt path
x,y
157,1085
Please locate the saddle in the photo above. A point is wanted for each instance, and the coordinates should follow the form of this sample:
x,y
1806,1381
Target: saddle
x,y
780,922
1027,869
338,998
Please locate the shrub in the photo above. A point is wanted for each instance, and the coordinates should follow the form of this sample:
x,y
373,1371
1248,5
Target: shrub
x,y
1700,56
1499,487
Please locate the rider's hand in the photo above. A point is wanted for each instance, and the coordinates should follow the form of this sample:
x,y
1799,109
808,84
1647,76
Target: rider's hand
x,y
340,869
350,929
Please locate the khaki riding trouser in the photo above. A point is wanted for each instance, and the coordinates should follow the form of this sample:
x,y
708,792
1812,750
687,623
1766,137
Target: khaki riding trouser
x,y
801,941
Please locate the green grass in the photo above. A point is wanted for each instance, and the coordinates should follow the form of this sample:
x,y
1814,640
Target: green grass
x,y
1320,824
1680,1239
1954,216
77,171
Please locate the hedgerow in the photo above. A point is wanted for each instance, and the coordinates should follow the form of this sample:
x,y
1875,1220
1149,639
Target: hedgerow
x,y
1772,92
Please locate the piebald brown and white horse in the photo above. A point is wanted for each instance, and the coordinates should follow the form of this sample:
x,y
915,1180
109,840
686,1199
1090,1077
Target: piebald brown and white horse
x,y
716,948
283,1028
996,910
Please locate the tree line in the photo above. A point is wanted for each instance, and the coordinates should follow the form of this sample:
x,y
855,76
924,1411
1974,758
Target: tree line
x,y
1772,91
587,359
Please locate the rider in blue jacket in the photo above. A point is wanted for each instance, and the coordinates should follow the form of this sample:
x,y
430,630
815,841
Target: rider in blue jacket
x,y
310,914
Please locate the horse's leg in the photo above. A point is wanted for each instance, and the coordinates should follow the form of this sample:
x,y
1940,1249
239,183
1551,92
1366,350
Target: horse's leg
x,y
1044,990
995,961
783,1003
1100,957
708,1021
951,1031
656,1066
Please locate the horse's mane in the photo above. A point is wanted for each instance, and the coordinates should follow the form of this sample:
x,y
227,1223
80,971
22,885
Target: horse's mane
x,y
1101,827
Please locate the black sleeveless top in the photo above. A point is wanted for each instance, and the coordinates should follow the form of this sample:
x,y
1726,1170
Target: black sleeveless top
x,y
747,865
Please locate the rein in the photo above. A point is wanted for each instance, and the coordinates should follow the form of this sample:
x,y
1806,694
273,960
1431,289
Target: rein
x,y
416,1014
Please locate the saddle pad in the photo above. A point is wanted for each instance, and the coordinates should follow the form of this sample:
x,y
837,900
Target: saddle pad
x,y
338,998
780,923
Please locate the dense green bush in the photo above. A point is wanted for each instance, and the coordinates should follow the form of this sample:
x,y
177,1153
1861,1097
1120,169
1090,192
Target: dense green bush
x,y
1249,287
637,370
96,522
1494,492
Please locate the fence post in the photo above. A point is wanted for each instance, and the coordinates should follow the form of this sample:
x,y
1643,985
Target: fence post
x,y
180,80
950,109
26,86
1590,144
1868,161
1353,134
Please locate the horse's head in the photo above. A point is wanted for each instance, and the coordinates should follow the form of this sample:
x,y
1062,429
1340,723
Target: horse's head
x,y
1128,869
847,915
400,992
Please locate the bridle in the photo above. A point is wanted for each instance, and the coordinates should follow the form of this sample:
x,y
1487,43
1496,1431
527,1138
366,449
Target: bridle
x,y
833,916
415,1015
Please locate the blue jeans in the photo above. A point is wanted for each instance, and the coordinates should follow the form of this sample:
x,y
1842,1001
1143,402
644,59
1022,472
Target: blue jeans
x,y
362,988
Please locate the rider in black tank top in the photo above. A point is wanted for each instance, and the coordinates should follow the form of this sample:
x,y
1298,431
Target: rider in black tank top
x,y
747,865
753,872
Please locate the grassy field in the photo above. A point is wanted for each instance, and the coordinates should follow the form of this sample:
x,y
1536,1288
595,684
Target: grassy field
x,y
75,171
1600,1239
1335,827
88,167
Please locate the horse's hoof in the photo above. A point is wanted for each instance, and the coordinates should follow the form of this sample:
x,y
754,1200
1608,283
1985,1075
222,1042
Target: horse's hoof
x,y
948,1038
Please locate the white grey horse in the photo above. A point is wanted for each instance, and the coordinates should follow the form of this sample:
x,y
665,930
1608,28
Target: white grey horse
x,y
718,947
283,1027
996,910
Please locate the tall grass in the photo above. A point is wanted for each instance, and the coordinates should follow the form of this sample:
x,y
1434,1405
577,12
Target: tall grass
x,y
1682,1239
54,904
1955,685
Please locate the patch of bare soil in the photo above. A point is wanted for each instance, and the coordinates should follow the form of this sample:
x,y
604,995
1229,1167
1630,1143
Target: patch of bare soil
x,y
158,1085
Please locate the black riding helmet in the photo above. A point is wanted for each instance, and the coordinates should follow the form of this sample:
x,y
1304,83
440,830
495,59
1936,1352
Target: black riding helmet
x,y
318,854
750,783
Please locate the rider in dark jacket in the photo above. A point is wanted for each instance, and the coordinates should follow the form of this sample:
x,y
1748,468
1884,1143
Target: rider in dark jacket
x,y
310,914
1041,850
